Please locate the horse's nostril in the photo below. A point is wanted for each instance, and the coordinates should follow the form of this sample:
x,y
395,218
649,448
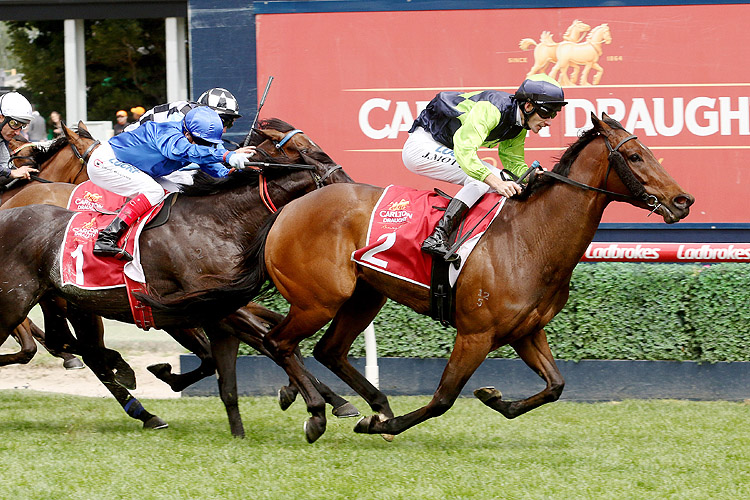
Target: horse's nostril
x,y
683,200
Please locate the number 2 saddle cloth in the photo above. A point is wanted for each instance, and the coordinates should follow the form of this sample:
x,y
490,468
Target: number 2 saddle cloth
x,y
403,218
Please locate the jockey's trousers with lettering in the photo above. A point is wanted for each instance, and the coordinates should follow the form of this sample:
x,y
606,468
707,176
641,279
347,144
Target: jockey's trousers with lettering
x,y
423,155
121,178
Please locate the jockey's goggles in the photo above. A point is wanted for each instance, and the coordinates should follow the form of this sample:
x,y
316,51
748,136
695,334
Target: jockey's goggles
x,y
545,111
15,124
227,120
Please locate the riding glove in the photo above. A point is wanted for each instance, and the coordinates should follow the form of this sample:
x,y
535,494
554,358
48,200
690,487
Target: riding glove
x,y
237,160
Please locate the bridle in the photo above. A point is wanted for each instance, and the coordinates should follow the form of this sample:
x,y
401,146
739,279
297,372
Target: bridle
x,y
265,195
82,158
617,162
318,179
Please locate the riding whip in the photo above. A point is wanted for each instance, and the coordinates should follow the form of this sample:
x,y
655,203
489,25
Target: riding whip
x,y
260,105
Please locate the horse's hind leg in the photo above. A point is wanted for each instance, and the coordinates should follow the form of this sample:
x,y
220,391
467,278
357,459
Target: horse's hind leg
x,y
70,362
22,334
468,353
250,324
534,351
89,329
332,349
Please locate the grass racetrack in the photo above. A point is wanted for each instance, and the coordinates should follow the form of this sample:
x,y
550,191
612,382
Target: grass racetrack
x,y
62,447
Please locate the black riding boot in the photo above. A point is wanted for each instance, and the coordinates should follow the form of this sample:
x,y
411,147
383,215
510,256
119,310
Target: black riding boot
x,y
106,243
437,242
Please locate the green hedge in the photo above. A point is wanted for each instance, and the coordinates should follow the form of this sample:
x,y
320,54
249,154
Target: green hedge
x,y
615,311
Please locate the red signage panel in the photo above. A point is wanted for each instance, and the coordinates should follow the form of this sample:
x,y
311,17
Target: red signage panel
x,y
673,75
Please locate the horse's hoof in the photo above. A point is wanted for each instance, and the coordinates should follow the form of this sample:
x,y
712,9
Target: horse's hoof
x,y
155,423
363,425
314,428
160,370
73,364
346,410
388,437
286,397
487,394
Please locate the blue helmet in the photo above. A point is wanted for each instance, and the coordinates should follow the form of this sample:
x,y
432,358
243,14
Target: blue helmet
x,y
541,89
204,123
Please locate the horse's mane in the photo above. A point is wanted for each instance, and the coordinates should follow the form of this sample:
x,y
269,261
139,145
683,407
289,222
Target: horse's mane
x,y
565,161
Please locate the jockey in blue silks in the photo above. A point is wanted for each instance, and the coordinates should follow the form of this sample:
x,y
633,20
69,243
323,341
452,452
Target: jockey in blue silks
x,y
129,162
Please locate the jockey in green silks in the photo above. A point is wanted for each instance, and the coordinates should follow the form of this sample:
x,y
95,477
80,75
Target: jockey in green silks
x,y
444,140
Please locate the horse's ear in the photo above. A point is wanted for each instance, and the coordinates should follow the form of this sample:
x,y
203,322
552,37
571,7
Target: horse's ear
x,y
82,126
66,130
263,133
595,121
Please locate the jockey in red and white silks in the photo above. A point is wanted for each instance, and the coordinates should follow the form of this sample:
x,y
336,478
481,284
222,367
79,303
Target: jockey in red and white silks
x,y
444,140
128,164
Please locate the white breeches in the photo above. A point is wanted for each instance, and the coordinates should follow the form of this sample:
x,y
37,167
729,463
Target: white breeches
x,y
121,178
423,155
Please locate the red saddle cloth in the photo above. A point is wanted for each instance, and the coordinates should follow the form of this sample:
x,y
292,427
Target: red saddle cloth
x,y
402,219
80,267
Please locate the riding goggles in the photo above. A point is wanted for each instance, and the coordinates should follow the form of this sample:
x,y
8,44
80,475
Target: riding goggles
x,y
545,111
227,120
16,124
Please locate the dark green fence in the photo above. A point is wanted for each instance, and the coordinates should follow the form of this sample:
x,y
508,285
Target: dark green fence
x,y
615,311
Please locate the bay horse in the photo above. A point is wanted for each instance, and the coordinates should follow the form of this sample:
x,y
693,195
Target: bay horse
x,y
226,208
520,268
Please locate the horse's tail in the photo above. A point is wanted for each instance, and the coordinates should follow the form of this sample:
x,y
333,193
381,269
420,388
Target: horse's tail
x,y
526,43
215,303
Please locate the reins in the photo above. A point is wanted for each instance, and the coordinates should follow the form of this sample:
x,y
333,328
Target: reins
x,y
637,191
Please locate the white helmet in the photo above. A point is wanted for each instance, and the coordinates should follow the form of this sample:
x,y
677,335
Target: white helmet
x,y
14,105
222,100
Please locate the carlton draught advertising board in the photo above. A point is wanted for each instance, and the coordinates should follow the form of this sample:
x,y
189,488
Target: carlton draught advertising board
x,y
676,76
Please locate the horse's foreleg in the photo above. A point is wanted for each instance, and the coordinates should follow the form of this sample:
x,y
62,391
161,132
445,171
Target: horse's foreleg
x,y
224,347
468,353
22,334
598,75
282,342
194,340
534,351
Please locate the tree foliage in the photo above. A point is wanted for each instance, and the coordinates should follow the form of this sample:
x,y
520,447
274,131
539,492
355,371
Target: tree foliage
x,y
125,64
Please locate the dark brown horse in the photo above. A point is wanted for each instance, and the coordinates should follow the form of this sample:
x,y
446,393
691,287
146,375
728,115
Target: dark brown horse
x,y
226,210
57,162
521,268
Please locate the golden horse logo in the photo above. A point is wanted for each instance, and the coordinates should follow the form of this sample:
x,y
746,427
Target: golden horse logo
x,y
571,54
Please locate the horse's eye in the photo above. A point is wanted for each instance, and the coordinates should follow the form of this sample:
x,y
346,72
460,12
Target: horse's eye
x,y
635,157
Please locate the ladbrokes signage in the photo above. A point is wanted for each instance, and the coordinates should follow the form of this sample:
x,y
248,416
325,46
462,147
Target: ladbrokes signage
x,y
673,75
